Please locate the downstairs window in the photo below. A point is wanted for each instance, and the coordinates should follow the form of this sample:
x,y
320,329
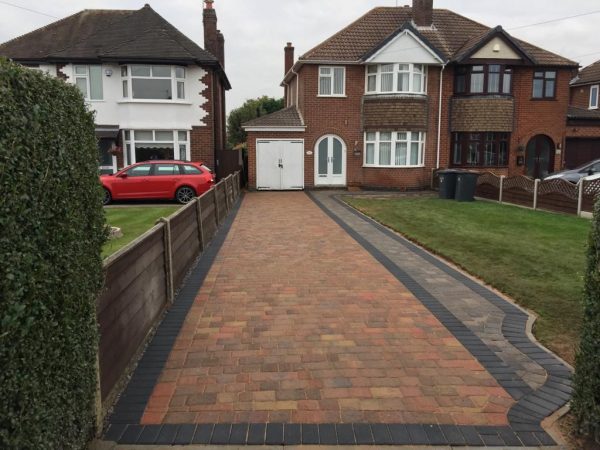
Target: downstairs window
x,y
482,149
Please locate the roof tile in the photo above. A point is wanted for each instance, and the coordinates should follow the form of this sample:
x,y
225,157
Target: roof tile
x,y
287,117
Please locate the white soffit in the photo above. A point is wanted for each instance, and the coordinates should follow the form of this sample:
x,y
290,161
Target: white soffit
x,y
497,48
405,47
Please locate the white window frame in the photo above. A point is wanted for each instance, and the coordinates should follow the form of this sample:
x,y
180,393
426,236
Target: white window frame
x,y
418,137
127,82
593,88
176,141
331,76
88,81
396,72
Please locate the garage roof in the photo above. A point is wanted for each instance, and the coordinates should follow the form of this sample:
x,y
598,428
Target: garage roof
x,y
284,118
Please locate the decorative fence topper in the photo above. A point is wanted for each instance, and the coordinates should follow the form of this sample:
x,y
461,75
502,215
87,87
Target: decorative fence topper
x,y
553,195
141,280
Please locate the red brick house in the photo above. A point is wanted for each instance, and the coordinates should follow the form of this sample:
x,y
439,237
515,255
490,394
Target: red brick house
x,y
156,93
405,90
583,120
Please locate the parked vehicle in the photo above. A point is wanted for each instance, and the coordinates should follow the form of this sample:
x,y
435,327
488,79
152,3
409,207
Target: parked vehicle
x,y
165,180
574,175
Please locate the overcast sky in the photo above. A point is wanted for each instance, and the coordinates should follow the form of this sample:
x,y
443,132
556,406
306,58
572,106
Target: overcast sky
x,y
256,30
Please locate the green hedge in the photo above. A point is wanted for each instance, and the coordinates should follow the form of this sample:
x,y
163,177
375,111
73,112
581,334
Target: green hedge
x,y
586,399
51,234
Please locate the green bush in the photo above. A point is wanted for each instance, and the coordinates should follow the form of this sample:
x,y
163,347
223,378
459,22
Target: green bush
x,y
52,231
586,398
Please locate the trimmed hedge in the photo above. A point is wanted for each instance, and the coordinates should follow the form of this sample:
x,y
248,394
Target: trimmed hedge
x,y
52,230
586,398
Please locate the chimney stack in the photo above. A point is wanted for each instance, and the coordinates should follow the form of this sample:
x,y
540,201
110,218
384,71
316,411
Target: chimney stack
x,y
289,57
423,13
221,41
211,39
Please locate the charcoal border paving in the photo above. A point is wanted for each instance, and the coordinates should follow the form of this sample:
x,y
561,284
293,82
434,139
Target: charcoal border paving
x,y
531,407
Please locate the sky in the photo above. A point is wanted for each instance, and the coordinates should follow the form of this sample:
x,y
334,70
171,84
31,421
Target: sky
x,y
257,30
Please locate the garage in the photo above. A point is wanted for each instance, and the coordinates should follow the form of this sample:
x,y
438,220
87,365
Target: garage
x,y
580,151
279,164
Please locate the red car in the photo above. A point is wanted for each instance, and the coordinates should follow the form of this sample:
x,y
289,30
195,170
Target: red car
x,y
179,180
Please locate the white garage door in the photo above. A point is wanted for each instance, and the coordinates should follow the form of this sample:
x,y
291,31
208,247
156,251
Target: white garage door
x,y
279,164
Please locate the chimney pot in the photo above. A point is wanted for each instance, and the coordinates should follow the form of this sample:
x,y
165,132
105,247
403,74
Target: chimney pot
x,y
208,4
423,13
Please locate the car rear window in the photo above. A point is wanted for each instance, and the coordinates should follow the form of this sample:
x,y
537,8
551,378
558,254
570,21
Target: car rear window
x,y
191,170
206,169
166,169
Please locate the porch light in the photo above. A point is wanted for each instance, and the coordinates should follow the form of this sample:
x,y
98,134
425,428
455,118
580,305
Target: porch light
x,y
108,72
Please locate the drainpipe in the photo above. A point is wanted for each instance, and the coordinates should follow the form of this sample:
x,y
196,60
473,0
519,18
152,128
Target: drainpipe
x,y
297,84
439,130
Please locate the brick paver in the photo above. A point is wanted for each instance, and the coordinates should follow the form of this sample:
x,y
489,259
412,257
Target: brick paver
x,y
296,322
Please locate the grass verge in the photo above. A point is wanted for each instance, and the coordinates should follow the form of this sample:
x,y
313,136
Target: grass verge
x,y
133,221
537,258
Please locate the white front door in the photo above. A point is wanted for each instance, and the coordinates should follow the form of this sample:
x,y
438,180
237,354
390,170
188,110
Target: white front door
x,y
330,162
279,164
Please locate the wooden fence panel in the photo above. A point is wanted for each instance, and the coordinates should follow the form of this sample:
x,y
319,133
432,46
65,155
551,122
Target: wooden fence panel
x,y
555,201
209,222
222,201
518,197
133,298
185,243
487,191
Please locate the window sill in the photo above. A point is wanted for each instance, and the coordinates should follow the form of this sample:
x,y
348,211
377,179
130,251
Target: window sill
x,y
545,99
365,166
593,108
396,94
477,167
483,95
332,96
154,102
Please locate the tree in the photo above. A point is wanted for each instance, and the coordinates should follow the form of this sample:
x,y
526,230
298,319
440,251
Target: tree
x,y
251,109
586,397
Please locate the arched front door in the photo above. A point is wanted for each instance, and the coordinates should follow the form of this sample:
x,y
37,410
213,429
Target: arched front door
x,y
330,162
540,156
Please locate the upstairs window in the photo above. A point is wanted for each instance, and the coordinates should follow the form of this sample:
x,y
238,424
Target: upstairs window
x,y
483,79
153,82
396,79
594,97
89,81
332,81
544,84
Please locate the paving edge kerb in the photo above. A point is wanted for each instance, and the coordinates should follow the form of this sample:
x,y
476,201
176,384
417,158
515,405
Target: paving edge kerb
x,y
525,417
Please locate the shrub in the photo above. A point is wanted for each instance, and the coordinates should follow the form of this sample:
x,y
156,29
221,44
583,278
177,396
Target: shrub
x,y
586,398
52,230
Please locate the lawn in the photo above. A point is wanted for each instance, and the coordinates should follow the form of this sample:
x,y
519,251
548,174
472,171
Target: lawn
x,y
536,258
133,222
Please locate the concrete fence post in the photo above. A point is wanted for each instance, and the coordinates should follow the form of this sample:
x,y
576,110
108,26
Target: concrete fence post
x,y
200,227
216,204
536,186
580,197
501,188
168,259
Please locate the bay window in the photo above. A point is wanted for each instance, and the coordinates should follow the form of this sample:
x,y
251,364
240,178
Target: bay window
x,y
396,79
89,81
332,81
145,82
394,149
146,145
481,149
483,79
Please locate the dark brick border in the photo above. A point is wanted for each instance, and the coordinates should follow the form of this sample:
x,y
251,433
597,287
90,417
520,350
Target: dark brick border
x,y
525,418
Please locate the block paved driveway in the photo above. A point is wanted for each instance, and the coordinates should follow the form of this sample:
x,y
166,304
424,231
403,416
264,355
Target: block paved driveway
x,y
313,324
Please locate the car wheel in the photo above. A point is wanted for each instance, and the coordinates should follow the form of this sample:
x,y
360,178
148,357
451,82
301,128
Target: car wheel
x,y
185,194
107,197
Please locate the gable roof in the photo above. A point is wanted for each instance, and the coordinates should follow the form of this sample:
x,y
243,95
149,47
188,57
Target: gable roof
x,y
110,35
449,34
478,42
284,118
588,75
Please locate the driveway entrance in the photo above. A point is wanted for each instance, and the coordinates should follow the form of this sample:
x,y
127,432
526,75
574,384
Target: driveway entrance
x,y
304,330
